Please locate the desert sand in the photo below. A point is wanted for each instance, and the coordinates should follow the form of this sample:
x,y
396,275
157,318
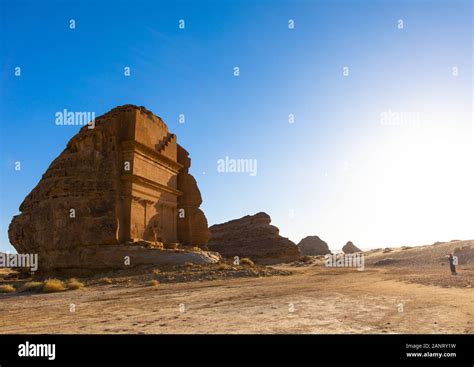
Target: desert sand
x,y
413,293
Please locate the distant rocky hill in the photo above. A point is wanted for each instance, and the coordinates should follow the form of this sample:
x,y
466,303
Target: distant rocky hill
x,y
421,256
313,246
350,248
254,237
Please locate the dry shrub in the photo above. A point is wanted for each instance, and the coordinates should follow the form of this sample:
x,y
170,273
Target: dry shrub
x,y
53,285
105,281
156,271
73,284
7,288
246,261
224,266
32,287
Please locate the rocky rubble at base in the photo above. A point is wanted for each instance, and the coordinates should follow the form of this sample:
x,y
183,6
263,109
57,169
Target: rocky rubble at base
x,y
90,260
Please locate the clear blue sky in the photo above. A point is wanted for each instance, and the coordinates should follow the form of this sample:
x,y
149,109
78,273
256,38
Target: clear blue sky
x,y
337,172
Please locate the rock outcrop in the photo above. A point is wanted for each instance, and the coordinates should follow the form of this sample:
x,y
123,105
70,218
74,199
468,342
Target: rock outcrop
x,y
313,246
192,226
252,236
119,180
350,248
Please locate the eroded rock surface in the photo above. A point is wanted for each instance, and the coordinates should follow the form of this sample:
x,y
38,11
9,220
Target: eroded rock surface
x,y
350,248
313,246
122,181
254,237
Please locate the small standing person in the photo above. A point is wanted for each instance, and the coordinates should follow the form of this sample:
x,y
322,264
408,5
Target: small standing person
x,y
452,264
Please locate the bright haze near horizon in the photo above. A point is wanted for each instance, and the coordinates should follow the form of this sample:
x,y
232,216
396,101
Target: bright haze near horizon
x,y
380,148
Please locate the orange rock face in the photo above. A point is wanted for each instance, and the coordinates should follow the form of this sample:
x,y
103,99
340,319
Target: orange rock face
x,y
122,181
192,223
254,237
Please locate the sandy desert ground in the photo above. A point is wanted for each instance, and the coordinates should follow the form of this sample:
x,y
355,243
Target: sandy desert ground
x,y
412,293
